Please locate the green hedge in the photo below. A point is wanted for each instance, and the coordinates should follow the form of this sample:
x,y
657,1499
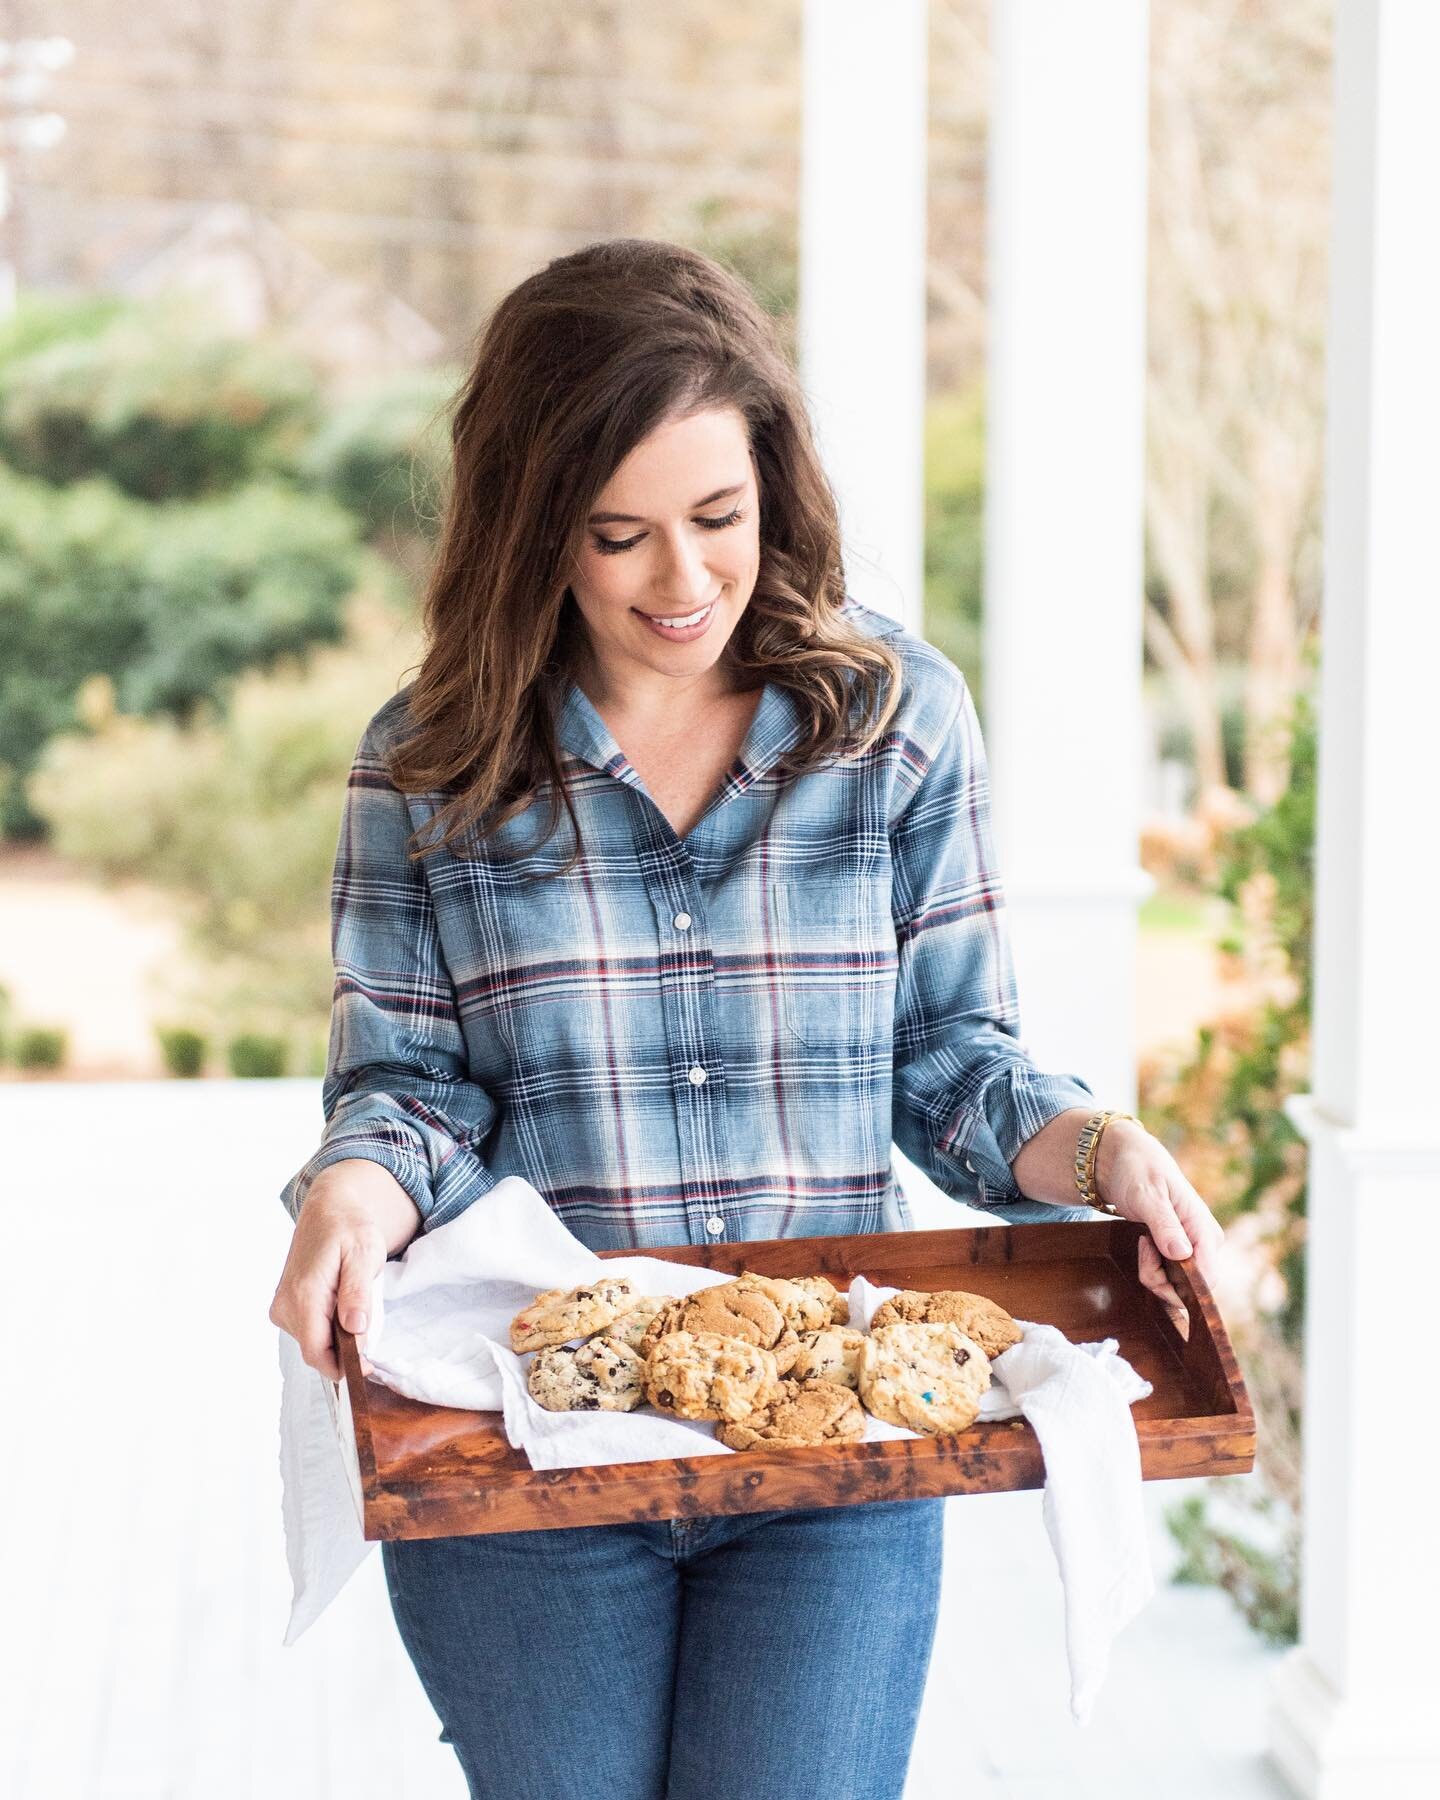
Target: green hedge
x,y
150,396
41,1047
184,1050
257,1055
170,603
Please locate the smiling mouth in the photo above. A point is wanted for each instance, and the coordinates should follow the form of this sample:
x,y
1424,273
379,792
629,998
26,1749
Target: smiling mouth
x,y
677,620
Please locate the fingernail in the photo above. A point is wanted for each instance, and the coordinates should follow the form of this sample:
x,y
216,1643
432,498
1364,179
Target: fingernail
x,y
1179,1247
358,1322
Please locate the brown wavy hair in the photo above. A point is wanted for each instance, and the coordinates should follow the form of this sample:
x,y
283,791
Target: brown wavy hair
x,y
576,365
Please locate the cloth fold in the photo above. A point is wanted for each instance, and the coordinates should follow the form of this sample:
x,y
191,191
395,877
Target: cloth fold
x,y
439,1334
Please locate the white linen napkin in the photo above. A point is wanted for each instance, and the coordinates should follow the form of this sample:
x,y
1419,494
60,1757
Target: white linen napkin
x,y
439,1331
1077,1399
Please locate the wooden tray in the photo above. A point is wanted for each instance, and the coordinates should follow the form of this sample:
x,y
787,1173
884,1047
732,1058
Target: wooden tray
x,y
427,1471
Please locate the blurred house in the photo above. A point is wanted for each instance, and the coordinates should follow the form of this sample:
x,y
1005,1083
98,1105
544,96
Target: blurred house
x,y
254,277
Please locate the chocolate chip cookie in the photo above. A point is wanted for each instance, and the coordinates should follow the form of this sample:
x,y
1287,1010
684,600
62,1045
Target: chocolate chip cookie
x,y
802,1308
729,1309
602,1375
825,1290
829,1355
702,1375
799,1412
560,1314
632,1324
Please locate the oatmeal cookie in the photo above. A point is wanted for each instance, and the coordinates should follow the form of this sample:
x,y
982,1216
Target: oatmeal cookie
x,y
799,1412
829,1355
985,1323
602,1375
929,1377
560,1314
727,1310
701,1375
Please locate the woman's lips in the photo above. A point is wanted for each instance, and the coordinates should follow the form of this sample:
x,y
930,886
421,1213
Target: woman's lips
x,y
683,634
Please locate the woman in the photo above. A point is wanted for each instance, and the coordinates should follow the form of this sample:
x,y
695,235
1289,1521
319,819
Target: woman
x,y
667,884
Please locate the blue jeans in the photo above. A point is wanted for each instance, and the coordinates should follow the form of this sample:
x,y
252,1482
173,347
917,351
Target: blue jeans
x,y
763,1656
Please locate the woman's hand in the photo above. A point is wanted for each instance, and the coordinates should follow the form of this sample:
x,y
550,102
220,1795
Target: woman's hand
x,y
353,1215
1136,1173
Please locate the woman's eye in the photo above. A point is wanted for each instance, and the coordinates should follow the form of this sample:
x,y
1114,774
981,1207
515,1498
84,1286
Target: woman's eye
x,y
612,546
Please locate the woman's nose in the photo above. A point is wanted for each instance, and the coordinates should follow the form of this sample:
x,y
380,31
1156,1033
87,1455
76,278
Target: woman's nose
x,y
683,577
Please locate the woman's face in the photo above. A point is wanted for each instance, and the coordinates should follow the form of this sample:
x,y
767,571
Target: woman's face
x,y
675,532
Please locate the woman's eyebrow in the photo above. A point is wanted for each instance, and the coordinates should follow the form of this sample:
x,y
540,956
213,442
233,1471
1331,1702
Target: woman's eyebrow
x,y
610,518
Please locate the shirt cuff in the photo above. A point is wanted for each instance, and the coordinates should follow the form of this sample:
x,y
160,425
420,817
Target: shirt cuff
x,y
439,1196
984,1135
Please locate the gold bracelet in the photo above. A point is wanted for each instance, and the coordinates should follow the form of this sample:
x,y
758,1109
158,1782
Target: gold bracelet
x,y
1086,1153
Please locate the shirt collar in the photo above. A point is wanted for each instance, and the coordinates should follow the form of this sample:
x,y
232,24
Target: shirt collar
x,y
776,726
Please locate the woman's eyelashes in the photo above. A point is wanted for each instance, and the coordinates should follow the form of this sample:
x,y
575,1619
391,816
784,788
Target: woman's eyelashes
x,y
609,546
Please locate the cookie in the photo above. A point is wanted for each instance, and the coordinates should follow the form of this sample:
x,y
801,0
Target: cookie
x,y
799,1412
631,1325
727,1310
666,1320
560,1314
701,1375
982,1321
829,1355
602,1375
802,1308
929,1377
826,1291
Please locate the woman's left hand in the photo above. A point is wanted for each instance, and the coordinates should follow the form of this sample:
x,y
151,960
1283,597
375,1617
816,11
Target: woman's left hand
x,y
1136,1173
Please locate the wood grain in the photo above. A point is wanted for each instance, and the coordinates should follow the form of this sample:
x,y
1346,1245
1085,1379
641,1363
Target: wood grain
x,y
437,1472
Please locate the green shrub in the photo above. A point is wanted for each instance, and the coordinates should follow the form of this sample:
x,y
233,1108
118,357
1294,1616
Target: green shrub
x,y
384,453
152,397
41,1047
236,817
1265,1584
169,603
1221,1110
39,319
184,1049
257,1055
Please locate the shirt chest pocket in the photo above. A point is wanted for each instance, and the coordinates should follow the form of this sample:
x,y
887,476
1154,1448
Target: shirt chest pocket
x,y
835,958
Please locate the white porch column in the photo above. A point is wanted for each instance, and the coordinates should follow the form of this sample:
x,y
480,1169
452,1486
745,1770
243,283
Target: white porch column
x,y
1355,1710
1064,517
862,283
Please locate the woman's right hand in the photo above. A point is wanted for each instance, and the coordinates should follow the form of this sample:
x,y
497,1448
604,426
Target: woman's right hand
x,y
355,1213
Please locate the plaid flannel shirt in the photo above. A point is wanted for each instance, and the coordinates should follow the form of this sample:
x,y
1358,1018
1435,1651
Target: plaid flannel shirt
x,y
692,1038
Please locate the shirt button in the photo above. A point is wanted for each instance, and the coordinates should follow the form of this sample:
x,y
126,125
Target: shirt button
x,y
715,1226
971,1167
697,1075
682,921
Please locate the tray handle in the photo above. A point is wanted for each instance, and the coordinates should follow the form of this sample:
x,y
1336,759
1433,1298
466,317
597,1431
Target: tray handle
x,y
1207,1356
348,1352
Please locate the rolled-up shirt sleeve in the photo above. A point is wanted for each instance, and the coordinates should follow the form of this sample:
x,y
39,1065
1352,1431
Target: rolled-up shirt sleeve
x,y
966,1093
397,1088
